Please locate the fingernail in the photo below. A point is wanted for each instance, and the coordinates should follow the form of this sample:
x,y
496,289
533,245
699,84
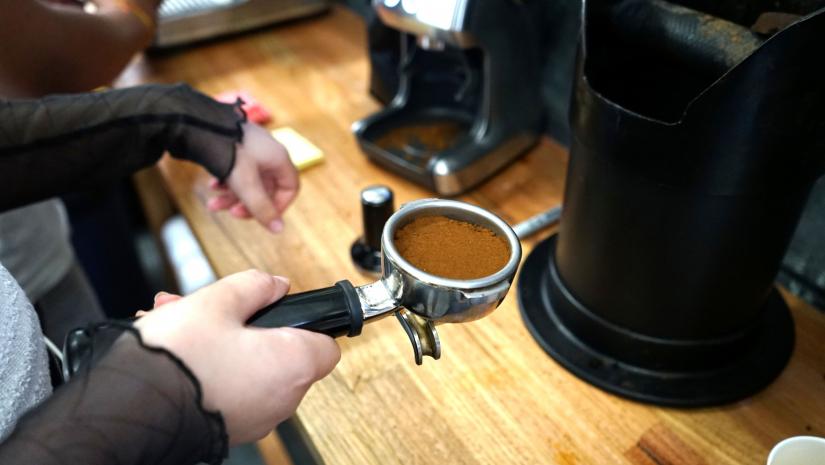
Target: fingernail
x,y
160,294
276,226
282,279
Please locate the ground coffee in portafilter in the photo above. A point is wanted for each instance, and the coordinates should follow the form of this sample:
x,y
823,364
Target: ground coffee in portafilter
x,y
450,248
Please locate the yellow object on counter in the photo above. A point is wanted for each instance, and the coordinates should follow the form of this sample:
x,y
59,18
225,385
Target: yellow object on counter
x,y
302,152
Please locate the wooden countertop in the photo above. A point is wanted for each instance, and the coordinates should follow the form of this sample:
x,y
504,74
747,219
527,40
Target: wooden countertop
x,y
495,397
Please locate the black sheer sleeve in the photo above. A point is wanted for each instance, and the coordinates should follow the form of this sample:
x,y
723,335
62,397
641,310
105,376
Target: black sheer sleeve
x,y
135,406
63,143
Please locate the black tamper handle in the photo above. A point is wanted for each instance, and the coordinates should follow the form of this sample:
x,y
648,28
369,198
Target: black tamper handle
x,y
376,207
334,311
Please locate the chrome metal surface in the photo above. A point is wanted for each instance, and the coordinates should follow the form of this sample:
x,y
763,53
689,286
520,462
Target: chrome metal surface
x,y
451,177
376,195
443,20
428,299
428,43
172,8
376,300
440,299
537,222
422,334
185,21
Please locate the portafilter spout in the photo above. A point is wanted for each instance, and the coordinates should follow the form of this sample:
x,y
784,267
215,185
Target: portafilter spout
x,y
419,299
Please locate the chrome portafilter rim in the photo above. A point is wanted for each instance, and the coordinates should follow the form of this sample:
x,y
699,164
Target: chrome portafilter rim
x,y
459,211
423,299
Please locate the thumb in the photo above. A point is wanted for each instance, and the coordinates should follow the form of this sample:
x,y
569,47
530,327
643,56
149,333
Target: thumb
x,y
242,294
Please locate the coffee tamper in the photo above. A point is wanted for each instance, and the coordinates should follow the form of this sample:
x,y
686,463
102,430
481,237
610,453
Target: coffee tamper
x,y
376,208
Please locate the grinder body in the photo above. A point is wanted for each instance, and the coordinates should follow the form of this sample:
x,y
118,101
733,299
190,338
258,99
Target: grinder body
x,y
472,65
688,173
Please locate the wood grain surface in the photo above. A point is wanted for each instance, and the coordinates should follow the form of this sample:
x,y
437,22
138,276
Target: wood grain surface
x,y
495,397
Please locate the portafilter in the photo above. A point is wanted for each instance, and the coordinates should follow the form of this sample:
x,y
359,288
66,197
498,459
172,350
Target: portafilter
x,y
419,300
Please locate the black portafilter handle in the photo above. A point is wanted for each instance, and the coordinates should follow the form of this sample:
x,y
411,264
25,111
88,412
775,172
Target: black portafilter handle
x,y
334,311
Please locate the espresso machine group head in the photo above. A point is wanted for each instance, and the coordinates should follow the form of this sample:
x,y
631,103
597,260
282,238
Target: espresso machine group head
x,y
468,97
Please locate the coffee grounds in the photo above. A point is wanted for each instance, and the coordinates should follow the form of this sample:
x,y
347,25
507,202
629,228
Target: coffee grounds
x,y
425,138
450,248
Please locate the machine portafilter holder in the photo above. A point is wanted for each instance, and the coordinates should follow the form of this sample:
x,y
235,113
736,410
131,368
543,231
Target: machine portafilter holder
x,y
695,145
419,299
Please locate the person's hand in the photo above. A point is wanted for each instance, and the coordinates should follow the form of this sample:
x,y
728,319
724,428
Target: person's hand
x,y
161,298
262,183
255,377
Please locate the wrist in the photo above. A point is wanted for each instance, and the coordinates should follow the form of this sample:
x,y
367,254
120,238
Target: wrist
x,y
161,357
157,394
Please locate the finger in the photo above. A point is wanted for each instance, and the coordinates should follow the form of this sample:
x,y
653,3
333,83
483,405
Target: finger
x,y
228,196
284,176
222,201
284,197
240,211
163,298
215,184
242,294
141,313
251,192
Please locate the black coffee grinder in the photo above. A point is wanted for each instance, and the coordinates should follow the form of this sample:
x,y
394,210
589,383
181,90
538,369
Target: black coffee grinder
x,y
467,100
695,143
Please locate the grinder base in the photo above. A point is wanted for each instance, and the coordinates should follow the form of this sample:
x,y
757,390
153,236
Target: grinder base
x,y
544,300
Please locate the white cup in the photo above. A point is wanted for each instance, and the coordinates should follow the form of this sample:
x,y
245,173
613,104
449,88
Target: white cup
x,y
798,450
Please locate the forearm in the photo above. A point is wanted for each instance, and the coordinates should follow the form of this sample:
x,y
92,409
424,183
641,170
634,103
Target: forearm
x,y
137,406
66,143
50,48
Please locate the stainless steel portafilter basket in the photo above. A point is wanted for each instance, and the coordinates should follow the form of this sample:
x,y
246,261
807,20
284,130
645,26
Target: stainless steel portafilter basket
x,y
419,300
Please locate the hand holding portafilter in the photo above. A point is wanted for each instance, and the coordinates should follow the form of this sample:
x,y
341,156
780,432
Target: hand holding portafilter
x,y
419,299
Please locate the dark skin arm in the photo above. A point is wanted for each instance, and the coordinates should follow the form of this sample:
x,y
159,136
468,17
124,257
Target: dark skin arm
x,y
52,47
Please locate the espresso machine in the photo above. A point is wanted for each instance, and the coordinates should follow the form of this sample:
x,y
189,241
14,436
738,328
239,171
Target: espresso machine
x,y
466,103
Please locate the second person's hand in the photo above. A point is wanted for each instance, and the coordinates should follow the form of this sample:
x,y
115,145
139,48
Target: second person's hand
x,y
263,181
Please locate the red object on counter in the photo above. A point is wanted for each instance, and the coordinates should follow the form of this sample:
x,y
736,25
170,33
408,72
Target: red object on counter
x,y
255,112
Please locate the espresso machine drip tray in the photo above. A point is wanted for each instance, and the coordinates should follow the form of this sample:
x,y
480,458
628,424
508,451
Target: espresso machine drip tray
x,y
408,143
418,142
